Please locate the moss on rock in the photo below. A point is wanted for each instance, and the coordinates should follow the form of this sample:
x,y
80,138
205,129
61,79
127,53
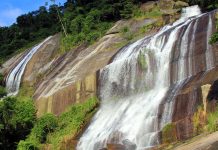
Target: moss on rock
x,y
169,134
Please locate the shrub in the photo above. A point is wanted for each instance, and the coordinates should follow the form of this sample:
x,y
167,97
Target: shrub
x,y
214,38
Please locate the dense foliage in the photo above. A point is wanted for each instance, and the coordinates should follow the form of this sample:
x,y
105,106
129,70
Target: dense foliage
x,y
83,21
53,130
16,120
30,27
205,4
44,125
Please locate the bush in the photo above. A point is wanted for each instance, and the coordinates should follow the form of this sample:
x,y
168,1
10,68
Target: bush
x,y
214,38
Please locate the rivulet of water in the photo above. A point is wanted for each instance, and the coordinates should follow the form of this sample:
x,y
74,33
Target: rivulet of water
x,y
14,77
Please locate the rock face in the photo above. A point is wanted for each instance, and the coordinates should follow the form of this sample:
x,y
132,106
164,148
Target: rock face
x,y
41,61
10,64
192,95
73,78
38,64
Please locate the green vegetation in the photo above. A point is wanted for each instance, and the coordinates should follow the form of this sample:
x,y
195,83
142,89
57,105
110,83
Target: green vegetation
x,y
81,21
53,130
25,92
43,126
154,13
16,120
212,125
205,4
169,133
198,122
3,91
126,33
214,37
29,29
88,21
146,28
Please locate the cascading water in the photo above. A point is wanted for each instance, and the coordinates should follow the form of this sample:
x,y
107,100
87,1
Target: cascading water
x,y
139,80
14,77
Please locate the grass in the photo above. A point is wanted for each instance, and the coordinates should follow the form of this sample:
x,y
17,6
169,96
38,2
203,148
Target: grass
x,y
212,124
154,13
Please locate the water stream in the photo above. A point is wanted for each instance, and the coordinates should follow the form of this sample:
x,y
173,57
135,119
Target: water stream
x,y
13,79
135,84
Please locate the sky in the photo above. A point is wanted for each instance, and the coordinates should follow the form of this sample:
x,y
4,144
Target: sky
x,y
11,9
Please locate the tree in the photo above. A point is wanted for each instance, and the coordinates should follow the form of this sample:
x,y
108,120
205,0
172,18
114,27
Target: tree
x,y
59,16
16,120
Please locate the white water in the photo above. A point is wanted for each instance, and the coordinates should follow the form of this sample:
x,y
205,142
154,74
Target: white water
x,y
131,97
14,77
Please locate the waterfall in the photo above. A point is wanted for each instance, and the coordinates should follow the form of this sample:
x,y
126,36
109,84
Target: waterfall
x,y
137,89
14,77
